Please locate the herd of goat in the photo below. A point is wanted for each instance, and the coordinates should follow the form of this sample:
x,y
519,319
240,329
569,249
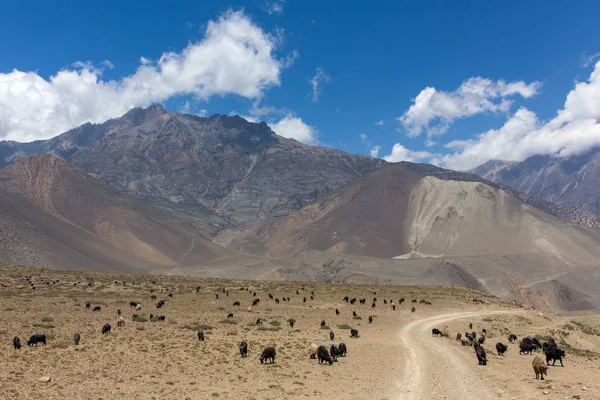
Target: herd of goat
x,y
268,355
526,346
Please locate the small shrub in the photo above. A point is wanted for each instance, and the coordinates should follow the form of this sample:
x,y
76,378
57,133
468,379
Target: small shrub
x,y
140,318
274,329
47,319
325,327
44,326
232,333
274,323
228,321
344,326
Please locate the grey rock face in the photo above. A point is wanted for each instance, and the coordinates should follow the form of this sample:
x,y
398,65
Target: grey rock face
x,y
239,170
570,181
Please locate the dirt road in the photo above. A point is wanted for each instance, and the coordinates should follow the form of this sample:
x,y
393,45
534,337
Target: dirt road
x,y
434,370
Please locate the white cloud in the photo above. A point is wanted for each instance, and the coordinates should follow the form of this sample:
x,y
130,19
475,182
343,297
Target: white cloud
x,y
378,123
401,153
234,57
294,128
375,151
202,113
364,138
574,130
434,110
320,77
274,7
587,60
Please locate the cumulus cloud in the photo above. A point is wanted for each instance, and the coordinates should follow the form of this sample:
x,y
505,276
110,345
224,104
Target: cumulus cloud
x,y
234,57
434,111
574,130
320,77
375,151
293,127
401,153
378,123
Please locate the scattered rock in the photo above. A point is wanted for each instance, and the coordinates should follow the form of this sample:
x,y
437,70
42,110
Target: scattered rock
x,y
45,379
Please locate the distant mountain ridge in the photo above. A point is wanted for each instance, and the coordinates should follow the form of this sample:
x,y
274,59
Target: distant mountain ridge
x,y
572,181
172,193
237,171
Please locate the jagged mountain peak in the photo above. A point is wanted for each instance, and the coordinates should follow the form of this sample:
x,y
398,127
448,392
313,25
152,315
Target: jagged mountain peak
x,y
139,115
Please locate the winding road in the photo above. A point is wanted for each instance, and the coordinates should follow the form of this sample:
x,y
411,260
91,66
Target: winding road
x,y
433,369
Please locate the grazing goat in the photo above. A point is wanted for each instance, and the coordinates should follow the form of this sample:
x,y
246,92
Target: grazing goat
x,y
354,333
120,321
481,356
436,332
258,322
37,338
87,306
76,338
331,335
16,343
106,328
97,308
501,348
132,304
539,367
337,312
512,337
268,354
323,355
553,353
313,351
323,323
244,349
526,347
370,319
201,336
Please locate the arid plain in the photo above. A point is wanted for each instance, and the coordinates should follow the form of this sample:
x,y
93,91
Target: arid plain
x,y
395,357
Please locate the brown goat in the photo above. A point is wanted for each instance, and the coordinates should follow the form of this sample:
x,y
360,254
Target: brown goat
x,y
539,367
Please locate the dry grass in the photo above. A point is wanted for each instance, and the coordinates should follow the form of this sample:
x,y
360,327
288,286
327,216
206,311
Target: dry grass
x,y
165,360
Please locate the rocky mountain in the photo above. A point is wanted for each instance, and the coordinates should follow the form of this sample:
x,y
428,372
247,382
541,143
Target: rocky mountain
x,y
167,192
239,170
457,229
569,181
55,215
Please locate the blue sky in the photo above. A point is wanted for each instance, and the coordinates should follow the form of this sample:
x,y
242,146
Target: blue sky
x,y
369,61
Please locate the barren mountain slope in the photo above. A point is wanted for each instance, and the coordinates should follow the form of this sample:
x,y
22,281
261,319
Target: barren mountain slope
x,y
440,232
397,212
71,206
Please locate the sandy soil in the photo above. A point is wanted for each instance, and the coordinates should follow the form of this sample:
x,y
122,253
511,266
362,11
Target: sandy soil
x,y
395,357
